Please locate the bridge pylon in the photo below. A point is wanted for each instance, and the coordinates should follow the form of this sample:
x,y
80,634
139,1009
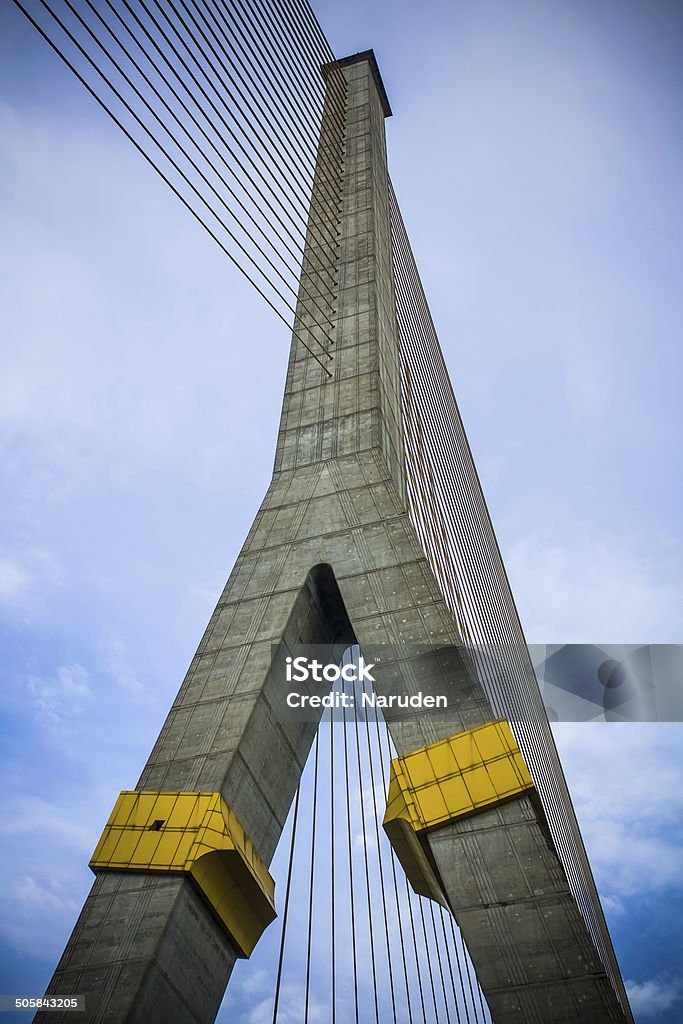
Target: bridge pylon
x,y
334,558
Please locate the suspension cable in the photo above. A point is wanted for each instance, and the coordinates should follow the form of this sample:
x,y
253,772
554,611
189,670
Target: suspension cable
x,y
285,914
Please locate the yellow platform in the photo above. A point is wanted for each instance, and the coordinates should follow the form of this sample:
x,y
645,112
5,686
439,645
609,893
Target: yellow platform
x,y
444,781
195,834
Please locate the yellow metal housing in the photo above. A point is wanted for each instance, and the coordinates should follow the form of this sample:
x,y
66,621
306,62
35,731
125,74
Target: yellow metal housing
x,y
447,780
195,834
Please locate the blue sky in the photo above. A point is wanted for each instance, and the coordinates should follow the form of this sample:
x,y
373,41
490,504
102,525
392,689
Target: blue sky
x,y
537,156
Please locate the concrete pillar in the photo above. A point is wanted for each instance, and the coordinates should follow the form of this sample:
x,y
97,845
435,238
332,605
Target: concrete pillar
x,y
332,558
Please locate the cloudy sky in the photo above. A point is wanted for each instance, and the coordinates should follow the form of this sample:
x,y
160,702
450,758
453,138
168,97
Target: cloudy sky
x,y
536,152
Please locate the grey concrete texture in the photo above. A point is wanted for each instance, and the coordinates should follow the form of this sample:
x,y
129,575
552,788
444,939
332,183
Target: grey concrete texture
x,y
507,888
332,558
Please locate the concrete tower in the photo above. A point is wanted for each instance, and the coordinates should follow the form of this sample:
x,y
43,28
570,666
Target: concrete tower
x,y
182,885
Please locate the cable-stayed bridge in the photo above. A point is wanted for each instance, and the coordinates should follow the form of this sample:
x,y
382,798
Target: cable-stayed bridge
x,y
475,900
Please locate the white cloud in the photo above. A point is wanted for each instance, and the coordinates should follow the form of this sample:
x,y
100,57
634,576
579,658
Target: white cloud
x,y
251,1001
51,841
50,896
648,998
626,782
100,372
38,821
118,666
614,907
291,1008
257,982
14,580
592,591
59,698
49,827
27,575
35,905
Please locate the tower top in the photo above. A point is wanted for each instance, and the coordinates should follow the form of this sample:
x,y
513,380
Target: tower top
x,y
369,56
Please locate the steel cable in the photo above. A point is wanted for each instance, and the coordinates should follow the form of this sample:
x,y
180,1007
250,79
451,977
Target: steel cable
x,y
295,291
312,873
285,914
444,487
258,139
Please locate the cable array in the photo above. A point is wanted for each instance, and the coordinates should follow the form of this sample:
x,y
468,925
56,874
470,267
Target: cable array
x,y
239,106
450,515
356,944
